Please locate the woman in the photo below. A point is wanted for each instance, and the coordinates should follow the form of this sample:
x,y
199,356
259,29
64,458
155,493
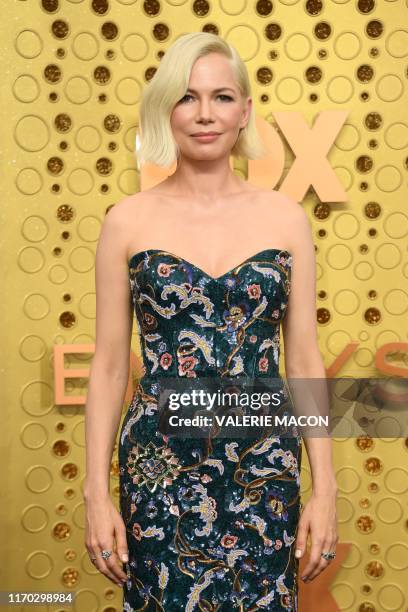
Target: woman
x,y
207,261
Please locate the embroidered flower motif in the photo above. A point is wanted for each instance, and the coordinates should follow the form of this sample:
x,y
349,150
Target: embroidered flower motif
x,y
248,565
149,322
254,291
144,591
231,281
283,259
228,541
163,269
152,466
253,338
174,509
186,365
166,361
151,510
286,601
187,493
275,504
137,531
263,364
197,291
234,317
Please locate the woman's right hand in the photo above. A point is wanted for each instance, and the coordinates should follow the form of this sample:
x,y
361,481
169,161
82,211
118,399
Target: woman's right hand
x,y
105,530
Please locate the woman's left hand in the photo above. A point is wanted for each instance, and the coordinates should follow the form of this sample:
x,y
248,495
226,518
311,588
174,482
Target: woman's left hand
x,y
320,518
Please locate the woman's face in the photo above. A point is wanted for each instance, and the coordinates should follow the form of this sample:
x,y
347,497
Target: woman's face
x,y
203,109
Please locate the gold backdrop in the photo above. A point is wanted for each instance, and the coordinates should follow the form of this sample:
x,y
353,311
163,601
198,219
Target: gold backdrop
x,y
73,75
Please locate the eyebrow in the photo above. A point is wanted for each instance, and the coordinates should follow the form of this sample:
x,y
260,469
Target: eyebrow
x,y
215,90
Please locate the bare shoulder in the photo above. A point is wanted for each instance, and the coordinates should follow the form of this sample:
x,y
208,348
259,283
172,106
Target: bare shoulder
x,y
131,212
290,217
131,205
276,199
118,227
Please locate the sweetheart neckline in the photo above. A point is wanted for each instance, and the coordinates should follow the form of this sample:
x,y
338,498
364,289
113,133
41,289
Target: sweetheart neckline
x,y
213,278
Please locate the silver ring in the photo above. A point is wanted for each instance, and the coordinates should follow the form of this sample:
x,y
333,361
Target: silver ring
x,y
105,554
328,555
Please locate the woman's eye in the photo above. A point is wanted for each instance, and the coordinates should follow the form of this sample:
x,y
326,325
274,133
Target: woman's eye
x,y
219,96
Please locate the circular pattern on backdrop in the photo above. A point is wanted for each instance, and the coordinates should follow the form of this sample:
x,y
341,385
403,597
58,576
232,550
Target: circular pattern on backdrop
x,y
349,138
347,45
78,90
348,479
289,90
396,480
88,138
346,302
134,47
342,591
29,181
39,479
129,181
128,91
26,88
34,436
389,88
346,226
391,598
396,43
387,256
298,47
240,34
35,228
31,260
85,46
389,510
32,133
28,44
80,181
32,348
34,518
36,398
396,556
39,565
339,256
396,225
396,135
340,89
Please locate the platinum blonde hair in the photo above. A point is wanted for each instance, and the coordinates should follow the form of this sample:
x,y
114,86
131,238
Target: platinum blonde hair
x,y
168,86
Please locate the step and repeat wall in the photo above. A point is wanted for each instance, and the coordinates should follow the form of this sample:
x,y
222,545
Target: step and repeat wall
x,y
73,76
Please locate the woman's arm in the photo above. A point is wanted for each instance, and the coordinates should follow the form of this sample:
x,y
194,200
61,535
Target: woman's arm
x,y
303,360
110,365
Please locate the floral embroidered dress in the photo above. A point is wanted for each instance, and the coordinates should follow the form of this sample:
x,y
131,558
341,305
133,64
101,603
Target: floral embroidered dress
x,y
211,522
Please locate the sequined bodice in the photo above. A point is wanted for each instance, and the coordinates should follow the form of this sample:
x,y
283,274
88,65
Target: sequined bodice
x,y
192,324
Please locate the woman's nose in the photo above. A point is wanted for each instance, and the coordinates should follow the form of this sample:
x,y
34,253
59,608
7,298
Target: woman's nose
x,y
204,109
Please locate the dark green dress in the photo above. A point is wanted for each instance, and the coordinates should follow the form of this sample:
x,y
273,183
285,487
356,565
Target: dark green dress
x,y
211,522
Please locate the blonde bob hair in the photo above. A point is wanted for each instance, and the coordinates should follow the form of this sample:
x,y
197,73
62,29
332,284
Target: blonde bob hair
x,y
169,85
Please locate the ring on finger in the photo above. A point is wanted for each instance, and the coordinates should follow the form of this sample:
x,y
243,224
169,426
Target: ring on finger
x,y
105,554
328,555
